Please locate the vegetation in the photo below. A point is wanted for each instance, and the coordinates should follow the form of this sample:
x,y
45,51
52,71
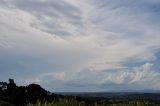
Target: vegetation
x,y
35,95
21,95
72,102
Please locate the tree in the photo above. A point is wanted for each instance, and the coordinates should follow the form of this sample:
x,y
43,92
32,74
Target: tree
x,y
19,95
36,92
11,86
3,88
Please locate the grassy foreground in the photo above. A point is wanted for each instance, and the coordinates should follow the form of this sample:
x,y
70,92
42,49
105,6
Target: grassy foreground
x,y
73,102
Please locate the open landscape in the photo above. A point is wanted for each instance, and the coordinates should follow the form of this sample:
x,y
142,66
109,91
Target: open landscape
x,y
35,95
79,52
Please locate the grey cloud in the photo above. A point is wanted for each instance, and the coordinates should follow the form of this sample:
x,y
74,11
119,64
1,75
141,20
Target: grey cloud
x,y
26,53
123,16
54,11
118,34
131,5
2,2
49,8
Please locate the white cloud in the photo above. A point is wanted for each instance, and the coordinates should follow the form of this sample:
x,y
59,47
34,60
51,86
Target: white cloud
x,y
143,77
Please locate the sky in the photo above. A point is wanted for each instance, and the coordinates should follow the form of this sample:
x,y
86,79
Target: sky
x,y
81,45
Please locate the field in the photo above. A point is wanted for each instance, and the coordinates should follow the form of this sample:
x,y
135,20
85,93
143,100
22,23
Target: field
x,y
76,103
105,99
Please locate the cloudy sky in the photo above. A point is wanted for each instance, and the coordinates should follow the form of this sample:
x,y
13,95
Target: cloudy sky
x,y
81,45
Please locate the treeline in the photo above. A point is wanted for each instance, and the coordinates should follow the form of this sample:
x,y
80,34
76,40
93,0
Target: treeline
x,y
10,93
21,95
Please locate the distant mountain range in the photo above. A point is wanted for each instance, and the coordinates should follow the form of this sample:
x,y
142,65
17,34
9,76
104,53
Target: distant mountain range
x,y
140,91
111,94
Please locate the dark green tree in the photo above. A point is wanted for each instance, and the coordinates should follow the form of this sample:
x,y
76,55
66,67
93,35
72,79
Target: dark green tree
x,y
36,92
3,88
11,86
19,95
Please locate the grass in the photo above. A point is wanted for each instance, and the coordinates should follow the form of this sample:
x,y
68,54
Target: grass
x,y
61,102
72,102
